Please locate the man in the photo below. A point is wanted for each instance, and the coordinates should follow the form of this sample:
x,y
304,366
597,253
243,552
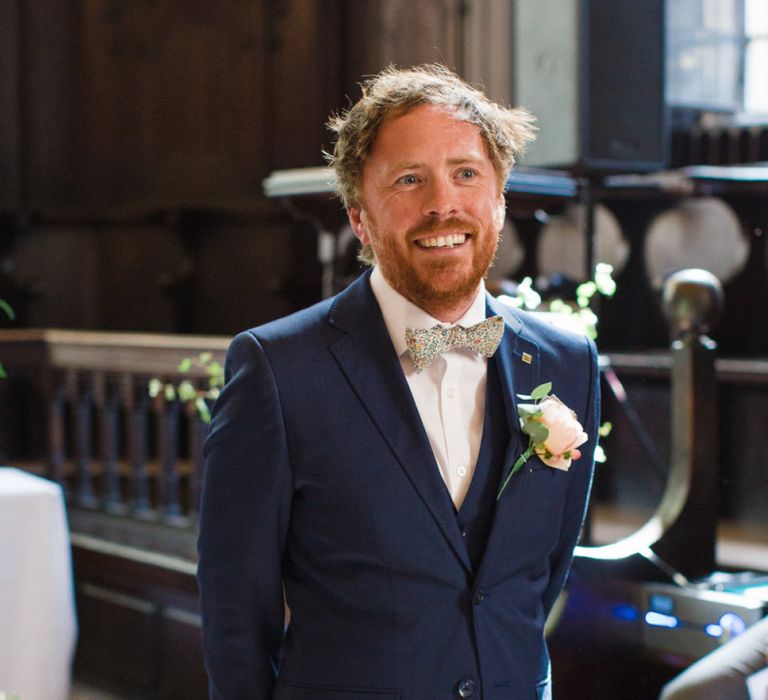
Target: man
x,y
356,480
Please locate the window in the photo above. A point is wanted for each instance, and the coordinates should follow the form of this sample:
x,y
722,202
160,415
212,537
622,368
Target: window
x,y
717,51
756,57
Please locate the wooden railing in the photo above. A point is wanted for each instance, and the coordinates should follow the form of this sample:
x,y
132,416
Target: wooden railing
x,y
76,407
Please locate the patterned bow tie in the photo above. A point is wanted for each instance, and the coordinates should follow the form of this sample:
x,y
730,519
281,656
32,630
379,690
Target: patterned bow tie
x,y
424,345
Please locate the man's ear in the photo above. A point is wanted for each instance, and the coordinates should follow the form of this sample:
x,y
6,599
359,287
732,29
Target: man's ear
x,y
358,221
500,212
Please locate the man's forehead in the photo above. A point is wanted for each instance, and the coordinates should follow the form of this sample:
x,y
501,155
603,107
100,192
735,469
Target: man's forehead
x,y
424,125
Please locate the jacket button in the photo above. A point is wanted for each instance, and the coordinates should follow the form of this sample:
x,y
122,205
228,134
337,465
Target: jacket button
x,y
479,596
466,688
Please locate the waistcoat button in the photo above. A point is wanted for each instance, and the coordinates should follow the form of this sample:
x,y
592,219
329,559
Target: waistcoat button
x,y
466,688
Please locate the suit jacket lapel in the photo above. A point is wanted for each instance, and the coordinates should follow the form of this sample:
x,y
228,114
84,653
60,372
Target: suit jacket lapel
x,y
368,360
518,360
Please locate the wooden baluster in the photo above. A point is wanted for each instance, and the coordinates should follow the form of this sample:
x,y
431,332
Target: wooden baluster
x,y
56,392
81,395
136,401
107,400
751,145
196,433
762,144
167,417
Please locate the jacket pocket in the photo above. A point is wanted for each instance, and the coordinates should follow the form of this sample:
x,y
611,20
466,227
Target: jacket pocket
x,y
311,691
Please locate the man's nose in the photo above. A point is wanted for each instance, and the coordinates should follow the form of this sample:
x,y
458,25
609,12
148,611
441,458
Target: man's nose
x,y
440,199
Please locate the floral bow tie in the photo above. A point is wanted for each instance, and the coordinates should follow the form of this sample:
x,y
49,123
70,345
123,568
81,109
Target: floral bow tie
x,y
424,345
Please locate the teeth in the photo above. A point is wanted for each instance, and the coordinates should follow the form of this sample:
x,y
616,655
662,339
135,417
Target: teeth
x,y
443,241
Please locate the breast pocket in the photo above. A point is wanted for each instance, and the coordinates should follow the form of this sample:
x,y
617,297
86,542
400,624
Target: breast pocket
x,y
542,498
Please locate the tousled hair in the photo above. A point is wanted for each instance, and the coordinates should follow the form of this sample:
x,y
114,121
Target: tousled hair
x,y
395,91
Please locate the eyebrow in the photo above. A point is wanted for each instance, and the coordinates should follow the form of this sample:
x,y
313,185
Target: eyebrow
x,y
415,165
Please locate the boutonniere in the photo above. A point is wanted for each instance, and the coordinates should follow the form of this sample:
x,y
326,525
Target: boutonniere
x,y
554,433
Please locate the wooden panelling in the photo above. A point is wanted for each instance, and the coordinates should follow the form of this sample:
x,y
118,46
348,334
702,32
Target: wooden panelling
x,y
50,134
304,78
10,121
246,275
121,652
402,32
140,630
59,268
173,101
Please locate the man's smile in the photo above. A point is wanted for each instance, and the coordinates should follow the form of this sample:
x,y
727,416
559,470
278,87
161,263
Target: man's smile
x,y
449,241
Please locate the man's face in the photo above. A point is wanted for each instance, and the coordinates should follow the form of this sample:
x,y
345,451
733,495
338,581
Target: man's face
x,y
431,208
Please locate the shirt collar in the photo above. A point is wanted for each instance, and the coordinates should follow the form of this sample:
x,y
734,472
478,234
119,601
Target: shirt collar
x,y
399,313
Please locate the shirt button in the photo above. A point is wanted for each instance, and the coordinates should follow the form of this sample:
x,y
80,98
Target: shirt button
x,y
479,596
450,393
463,533
462,471
466,688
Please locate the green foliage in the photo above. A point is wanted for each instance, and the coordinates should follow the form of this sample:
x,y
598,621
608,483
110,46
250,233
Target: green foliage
x,y
10,313
541,391
7,309
186,391
578,313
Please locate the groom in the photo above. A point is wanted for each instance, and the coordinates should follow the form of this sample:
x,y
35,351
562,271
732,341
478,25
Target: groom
x,y
356,454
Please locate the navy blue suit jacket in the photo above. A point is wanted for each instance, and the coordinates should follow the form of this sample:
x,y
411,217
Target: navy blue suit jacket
x,y
320,484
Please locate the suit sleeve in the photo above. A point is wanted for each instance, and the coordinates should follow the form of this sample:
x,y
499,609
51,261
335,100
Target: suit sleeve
x,y
244,514
581,478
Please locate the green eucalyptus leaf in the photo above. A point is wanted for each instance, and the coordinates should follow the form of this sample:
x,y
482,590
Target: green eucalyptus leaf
x,y
169,392
605,429
154,387
558,306
205,357
528,410
3,373
8,309
541,391
202,409
185,365
538,432
187,391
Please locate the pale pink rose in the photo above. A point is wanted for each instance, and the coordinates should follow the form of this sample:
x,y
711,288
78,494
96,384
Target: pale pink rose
x,y
565,434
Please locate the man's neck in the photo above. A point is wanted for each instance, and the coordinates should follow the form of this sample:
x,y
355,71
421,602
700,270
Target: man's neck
x,y
449,312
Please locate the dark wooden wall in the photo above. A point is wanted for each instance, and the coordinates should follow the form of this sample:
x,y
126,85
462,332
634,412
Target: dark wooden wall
x,y
135,137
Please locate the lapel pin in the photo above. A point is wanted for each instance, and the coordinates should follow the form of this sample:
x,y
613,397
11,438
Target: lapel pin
x,y
525,357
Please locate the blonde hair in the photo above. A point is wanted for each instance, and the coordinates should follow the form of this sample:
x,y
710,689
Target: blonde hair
x,y
394,92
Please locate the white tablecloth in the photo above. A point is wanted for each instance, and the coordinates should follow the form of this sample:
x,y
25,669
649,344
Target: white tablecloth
x,y
38,627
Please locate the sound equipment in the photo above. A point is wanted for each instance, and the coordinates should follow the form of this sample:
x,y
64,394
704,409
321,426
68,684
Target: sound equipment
x,y
592,72
695,619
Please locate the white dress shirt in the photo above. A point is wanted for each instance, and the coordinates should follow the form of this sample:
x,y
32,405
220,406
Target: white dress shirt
x,y
450,393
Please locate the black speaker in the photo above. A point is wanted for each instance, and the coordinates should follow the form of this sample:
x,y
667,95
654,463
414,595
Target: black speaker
x,y
592,72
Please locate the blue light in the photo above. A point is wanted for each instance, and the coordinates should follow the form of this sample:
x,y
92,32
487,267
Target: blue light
x,y
714,630
660,620
733,624
625,612
662,603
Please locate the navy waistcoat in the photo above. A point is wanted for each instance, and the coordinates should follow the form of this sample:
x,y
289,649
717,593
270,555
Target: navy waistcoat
x,y
476,512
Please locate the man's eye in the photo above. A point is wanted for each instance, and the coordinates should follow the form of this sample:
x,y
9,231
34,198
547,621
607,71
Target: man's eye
x,y
408,180
467,173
